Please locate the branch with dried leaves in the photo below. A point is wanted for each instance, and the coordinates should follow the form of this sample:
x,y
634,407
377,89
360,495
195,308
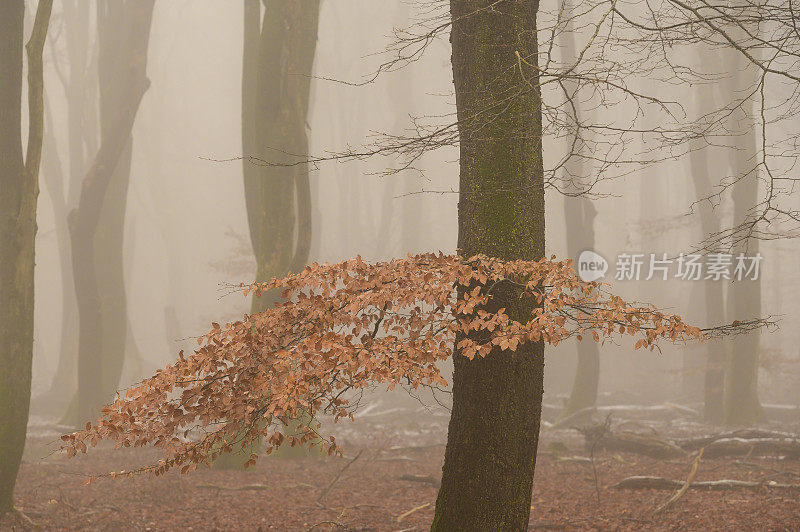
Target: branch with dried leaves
x,y
345,327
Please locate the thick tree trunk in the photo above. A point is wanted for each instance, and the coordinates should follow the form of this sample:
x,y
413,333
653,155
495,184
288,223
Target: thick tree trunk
x,y
19,178
493,433
96,224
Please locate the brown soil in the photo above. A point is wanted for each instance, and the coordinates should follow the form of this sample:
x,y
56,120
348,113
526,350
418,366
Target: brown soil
x,y
369,495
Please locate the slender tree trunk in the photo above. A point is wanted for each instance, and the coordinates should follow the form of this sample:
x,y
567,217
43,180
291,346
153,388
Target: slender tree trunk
x,y
579,215
96,224
744,297
494,427
714,382
64,380
19,178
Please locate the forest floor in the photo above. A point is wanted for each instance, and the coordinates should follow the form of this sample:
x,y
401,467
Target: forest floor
x,y
573,489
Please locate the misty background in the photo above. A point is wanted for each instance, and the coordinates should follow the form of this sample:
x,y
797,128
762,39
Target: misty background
x,y
186,234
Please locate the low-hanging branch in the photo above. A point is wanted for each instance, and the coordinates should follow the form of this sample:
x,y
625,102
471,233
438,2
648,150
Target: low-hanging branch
x,y
348,326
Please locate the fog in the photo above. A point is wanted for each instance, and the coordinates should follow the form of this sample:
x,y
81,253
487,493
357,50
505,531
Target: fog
x,y
628,177
186,234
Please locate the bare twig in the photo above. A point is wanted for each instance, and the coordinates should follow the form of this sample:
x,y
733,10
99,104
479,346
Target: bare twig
x,y
603,429
411,511
326,490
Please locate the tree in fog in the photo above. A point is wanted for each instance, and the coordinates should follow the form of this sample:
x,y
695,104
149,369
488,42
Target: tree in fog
x,y
97,223
280,42
63,184
743,296
279,46
579,215
731,369
20,180
713,292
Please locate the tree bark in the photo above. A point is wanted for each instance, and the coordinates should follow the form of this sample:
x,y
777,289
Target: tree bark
x,y
20,183
493,433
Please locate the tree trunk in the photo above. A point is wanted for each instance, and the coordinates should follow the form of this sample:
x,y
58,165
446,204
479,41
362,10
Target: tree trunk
x,y
714,383
96,224
579,215
493,433
19,178
276,82
744,297
744,301
82,140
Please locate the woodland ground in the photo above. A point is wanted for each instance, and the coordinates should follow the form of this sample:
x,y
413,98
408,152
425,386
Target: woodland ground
x,y
371,495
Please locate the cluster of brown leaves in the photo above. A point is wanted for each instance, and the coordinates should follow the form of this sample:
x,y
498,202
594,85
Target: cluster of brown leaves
x,y
344,327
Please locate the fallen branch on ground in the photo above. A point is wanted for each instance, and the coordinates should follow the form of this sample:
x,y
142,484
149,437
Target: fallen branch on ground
x,y
681,492
662,411
661,483
24,519
334,523
253,487
411,511
693,444
755,447
435,482
749,442
630,442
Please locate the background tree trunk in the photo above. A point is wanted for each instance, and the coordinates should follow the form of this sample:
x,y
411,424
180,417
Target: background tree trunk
x,y
714,380
494,426
19,178
744,297
579,215
276,81
82,130
96,225
278,58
